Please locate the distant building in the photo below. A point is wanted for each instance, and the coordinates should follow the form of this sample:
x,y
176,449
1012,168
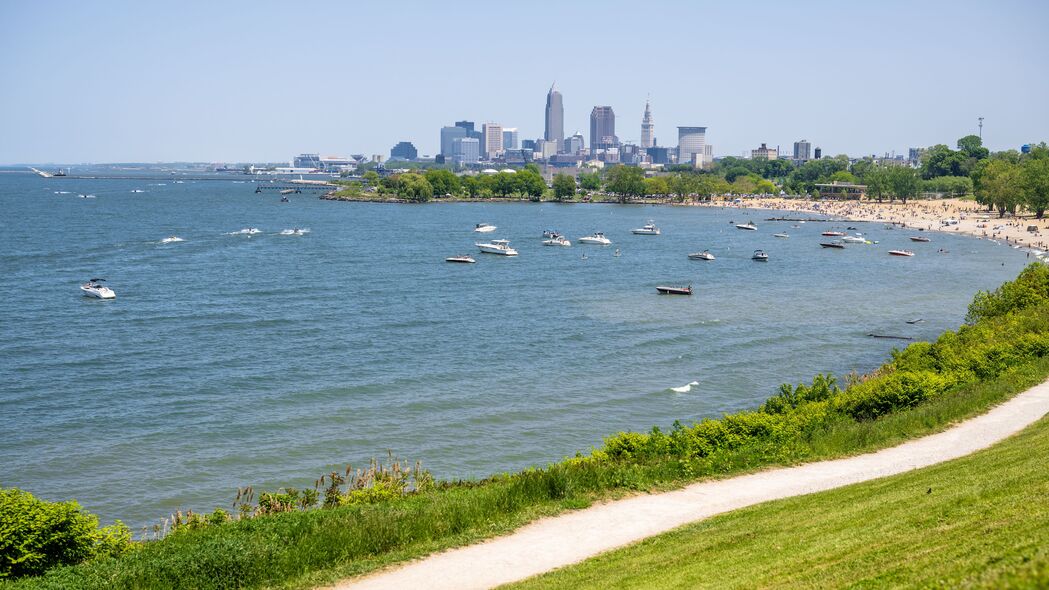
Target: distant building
x,y
404,151
448,135
517,156
648,128
471,131
708,153
764,153
602,128
510,139
802,150
550,148
690,140
528,144
1024,149
915,154
312,161
659,155
493,140
555,118
817,154
630,154
337,163
574,144
466,150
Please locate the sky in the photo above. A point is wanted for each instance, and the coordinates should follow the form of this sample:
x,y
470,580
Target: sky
x,y
263,81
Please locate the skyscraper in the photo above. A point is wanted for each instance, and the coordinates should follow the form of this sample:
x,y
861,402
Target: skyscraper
x,y
802,150
448,135
510,138
466,150
574,144
493,140
647,128
555,118
404,151
690,141
602,128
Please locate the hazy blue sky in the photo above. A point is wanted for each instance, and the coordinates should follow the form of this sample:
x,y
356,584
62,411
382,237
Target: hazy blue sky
x,y
236,81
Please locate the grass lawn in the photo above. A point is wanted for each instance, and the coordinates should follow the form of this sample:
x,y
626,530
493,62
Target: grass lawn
x,y
977,522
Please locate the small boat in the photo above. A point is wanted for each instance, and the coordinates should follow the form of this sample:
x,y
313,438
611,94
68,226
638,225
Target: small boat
x,y
833,234
617,254
597,238
464,259
780,235
920,239
549,233
838,244
853,240
95,288
748,225
852,227
760,256
285,200
484,228
501,247
669,290
171,239
649,229
557,240
901,252
704,255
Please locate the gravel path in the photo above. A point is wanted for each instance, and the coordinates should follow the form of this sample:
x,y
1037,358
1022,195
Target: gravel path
x,y
562,540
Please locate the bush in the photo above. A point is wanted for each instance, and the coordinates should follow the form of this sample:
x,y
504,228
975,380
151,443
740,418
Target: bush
x,y
36,535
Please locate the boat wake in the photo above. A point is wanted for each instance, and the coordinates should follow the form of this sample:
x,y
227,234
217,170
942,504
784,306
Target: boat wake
x,y
298,231
684,388
248,231
138,190
86,196
61,192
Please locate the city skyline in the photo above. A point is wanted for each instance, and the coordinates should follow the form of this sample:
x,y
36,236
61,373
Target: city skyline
x,y
112,85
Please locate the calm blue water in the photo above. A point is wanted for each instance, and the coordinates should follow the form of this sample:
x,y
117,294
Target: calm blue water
x,y
230,360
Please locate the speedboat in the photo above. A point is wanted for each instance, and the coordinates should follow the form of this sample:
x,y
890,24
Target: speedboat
x,y
649,229
484,228
549,233
833,234
669,290
171,239
780,235
760,256
95,288
557,240
853,240
464,259
901,252
597,238
838,244
501,247
748,225
920,239
704,255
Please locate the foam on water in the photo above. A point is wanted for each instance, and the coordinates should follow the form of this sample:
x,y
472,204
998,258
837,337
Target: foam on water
x,y
684,388
171,240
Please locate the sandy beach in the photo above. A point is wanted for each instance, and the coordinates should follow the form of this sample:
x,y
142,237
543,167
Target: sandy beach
x,y
948,215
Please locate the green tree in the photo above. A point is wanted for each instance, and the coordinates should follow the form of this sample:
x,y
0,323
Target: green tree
x,y
564,187
972,147
877,179
657,185
530,182
443,182
904,182
1001,186
590,181
414,187
731,174
626,182
843,176
1035,177
370,177
940,160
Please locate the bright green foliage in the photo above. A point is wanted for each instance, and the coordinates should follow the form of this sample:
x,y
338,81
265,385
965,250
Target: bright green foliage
x,y
36,535
1035,177
954,186
590,181
564,187
1029,289
626,181
444,182
657,186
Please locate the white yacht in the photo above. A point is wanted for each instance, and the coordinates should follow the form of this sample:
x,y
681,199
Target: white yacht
x,y
649,229
760,256
501,247
853,240
557,240
704,255
483,228
597,238
748,225
95,288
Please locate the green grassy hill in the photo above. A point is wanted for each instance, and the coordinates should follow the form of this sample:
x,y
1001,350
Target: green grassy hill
x,y
977,522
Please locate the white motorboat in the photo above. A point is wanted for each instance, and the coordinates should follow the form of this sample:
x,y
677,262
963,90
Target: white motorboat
x,y
780,235
901,252
597,238
833,234
557,240
748,226
95,288
464,259
171,240
704,255
853,240
920,239
760,256
501,247
649,229
484,228
550,233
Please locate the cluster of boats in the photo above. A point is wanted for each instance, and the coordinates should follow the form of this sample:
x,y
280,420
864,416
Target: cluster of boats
x,y
551,238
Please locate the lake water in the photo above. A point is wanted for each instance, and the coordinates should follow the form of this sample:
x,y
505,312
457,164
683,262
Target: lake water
x,y
229,360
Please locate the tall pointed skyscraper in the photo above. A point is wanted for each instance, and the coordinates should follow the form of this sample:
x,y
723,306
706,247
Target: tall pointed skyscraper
x,y
555,119
647,128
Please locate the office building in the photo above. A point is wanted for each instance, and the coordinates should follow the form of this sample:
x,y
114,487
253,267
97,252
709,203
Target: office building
x,y
802,150
574,144
466,150
312,161
690,140
602,128
550,148
529,144
764,153
555,118
915,154
817,154
493,140
510,139
659,155
404,151
648,128
448,135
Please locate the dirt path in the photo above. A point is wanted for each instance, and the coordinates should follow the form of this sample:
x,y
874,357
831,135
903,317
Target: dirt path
x,y
570,538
